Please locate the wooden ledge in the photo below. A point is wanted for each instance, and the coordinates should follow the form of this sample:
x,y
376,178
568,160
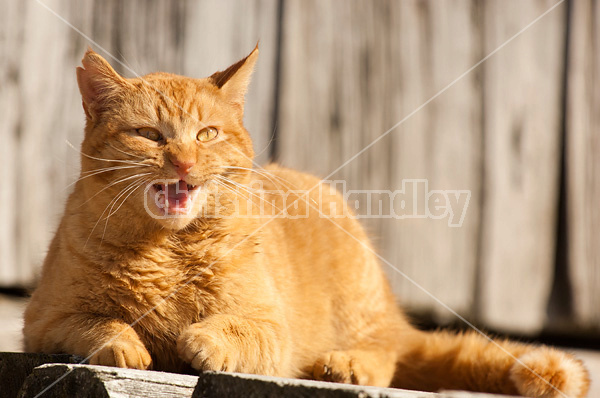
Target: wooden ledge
x,y
28,375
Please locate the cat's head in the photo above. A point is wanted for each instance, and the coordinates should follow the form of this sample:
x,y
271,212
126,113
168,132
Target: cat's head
x,y
155,144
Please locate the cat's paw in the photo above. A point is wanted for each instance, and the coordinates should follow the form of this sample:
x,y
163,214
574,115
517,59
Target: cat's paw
x,y
206,346
122,353
340,367
550,373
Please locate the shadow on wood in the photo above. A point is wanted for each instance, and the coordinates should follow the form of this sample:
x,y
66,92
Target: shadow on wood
x,y
15,367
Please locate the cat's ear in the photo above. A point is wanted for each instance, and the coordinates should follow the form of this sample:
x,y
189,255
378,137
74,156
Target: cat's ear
x,y
234,80
98,83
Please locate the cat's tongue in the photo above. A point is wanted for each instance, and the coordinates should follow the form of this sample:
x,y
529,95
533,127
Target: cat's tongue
x,y
178,196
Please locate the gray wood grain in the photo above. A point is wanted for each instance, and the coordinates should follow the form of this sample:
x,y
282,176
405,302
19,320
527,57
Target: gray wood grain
x,y
221,384
351,71
45,112
11,38
101,381
583,164
522,126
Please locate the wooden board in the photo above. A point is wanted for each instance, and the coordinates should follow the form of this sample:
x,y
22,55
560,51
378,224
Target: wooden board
x,y
87,381
41,102
522,127
583,164
11,33
102,381
350,72
43,95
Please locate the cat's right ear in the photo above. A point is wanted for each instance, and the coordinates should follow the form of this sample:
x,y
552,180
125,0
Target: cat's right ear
x,y
98,84
234,80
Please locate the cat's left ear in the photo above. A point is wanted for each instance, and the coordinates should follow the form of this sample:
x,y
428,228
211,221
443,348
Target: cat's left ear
x,y
234,80
99,84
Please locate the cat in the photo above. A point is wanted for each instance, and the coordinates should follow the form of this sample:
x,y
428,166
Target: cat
x,y
166,258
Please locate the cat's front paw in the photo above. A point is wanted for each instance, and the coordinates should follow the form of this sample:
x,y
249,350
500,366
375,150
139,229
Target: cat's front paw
x,y
549,373
123,353
339,367
215,345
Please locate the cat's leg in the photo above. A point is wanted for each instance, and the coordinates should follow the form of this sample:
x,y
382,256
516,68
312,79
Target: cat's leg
x,y
443,360
367,355
122,349
104,341
373,367
236,344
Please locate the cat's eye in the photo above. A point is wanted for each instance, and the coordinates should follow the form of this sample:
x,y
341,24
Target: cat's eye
x,y
207,134
149,133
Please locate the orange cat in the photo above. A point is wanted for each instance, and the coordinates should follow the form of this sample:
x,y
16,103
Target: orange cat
x,y
165,258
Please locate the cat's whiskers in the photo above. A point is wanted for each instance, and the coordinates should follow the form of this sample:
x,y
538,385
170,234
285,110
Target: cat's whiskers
x,y
240,185
264,173
287,184
245,189
268,144
223,185
111,212
108,168
112,184
124,190
108,160
268,175
99,171
237,192
227,187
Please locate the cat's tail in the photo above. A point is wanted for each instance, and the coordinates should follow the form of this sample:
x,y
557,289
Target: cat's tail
x,y
432,361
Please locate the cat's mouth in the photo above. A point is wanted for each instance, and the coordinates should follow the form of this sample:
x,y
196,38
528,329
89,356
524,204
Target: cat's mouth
x,y
175,198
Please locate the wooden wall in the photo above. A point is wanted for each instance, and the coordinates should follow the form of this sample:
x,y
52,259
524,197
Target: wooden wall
x,y
40,102
333,76
583,162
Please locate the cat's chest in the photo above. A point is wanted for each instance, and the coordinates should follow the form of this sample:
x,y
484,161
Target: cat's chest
x,y
163,287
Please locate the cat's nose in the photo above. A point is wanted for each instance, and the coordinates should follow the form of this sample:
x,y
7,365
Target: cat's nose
x,y
183,166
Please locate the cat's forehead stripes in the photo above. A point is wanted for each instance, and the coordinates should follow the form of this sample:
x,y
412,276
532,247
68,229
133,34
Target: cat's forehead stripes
x,y
183,101
175,96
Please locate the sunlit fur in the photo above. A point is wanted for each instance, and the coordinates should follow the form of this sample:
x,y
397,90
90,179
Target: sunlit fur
x,y
298,296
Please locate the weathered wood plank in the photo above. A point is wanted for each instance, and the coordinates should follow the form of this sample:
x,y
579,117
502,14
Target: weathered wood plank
x,y
102,381
582,162
442,144
44,93
350,72
522,126
220,384
11,38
